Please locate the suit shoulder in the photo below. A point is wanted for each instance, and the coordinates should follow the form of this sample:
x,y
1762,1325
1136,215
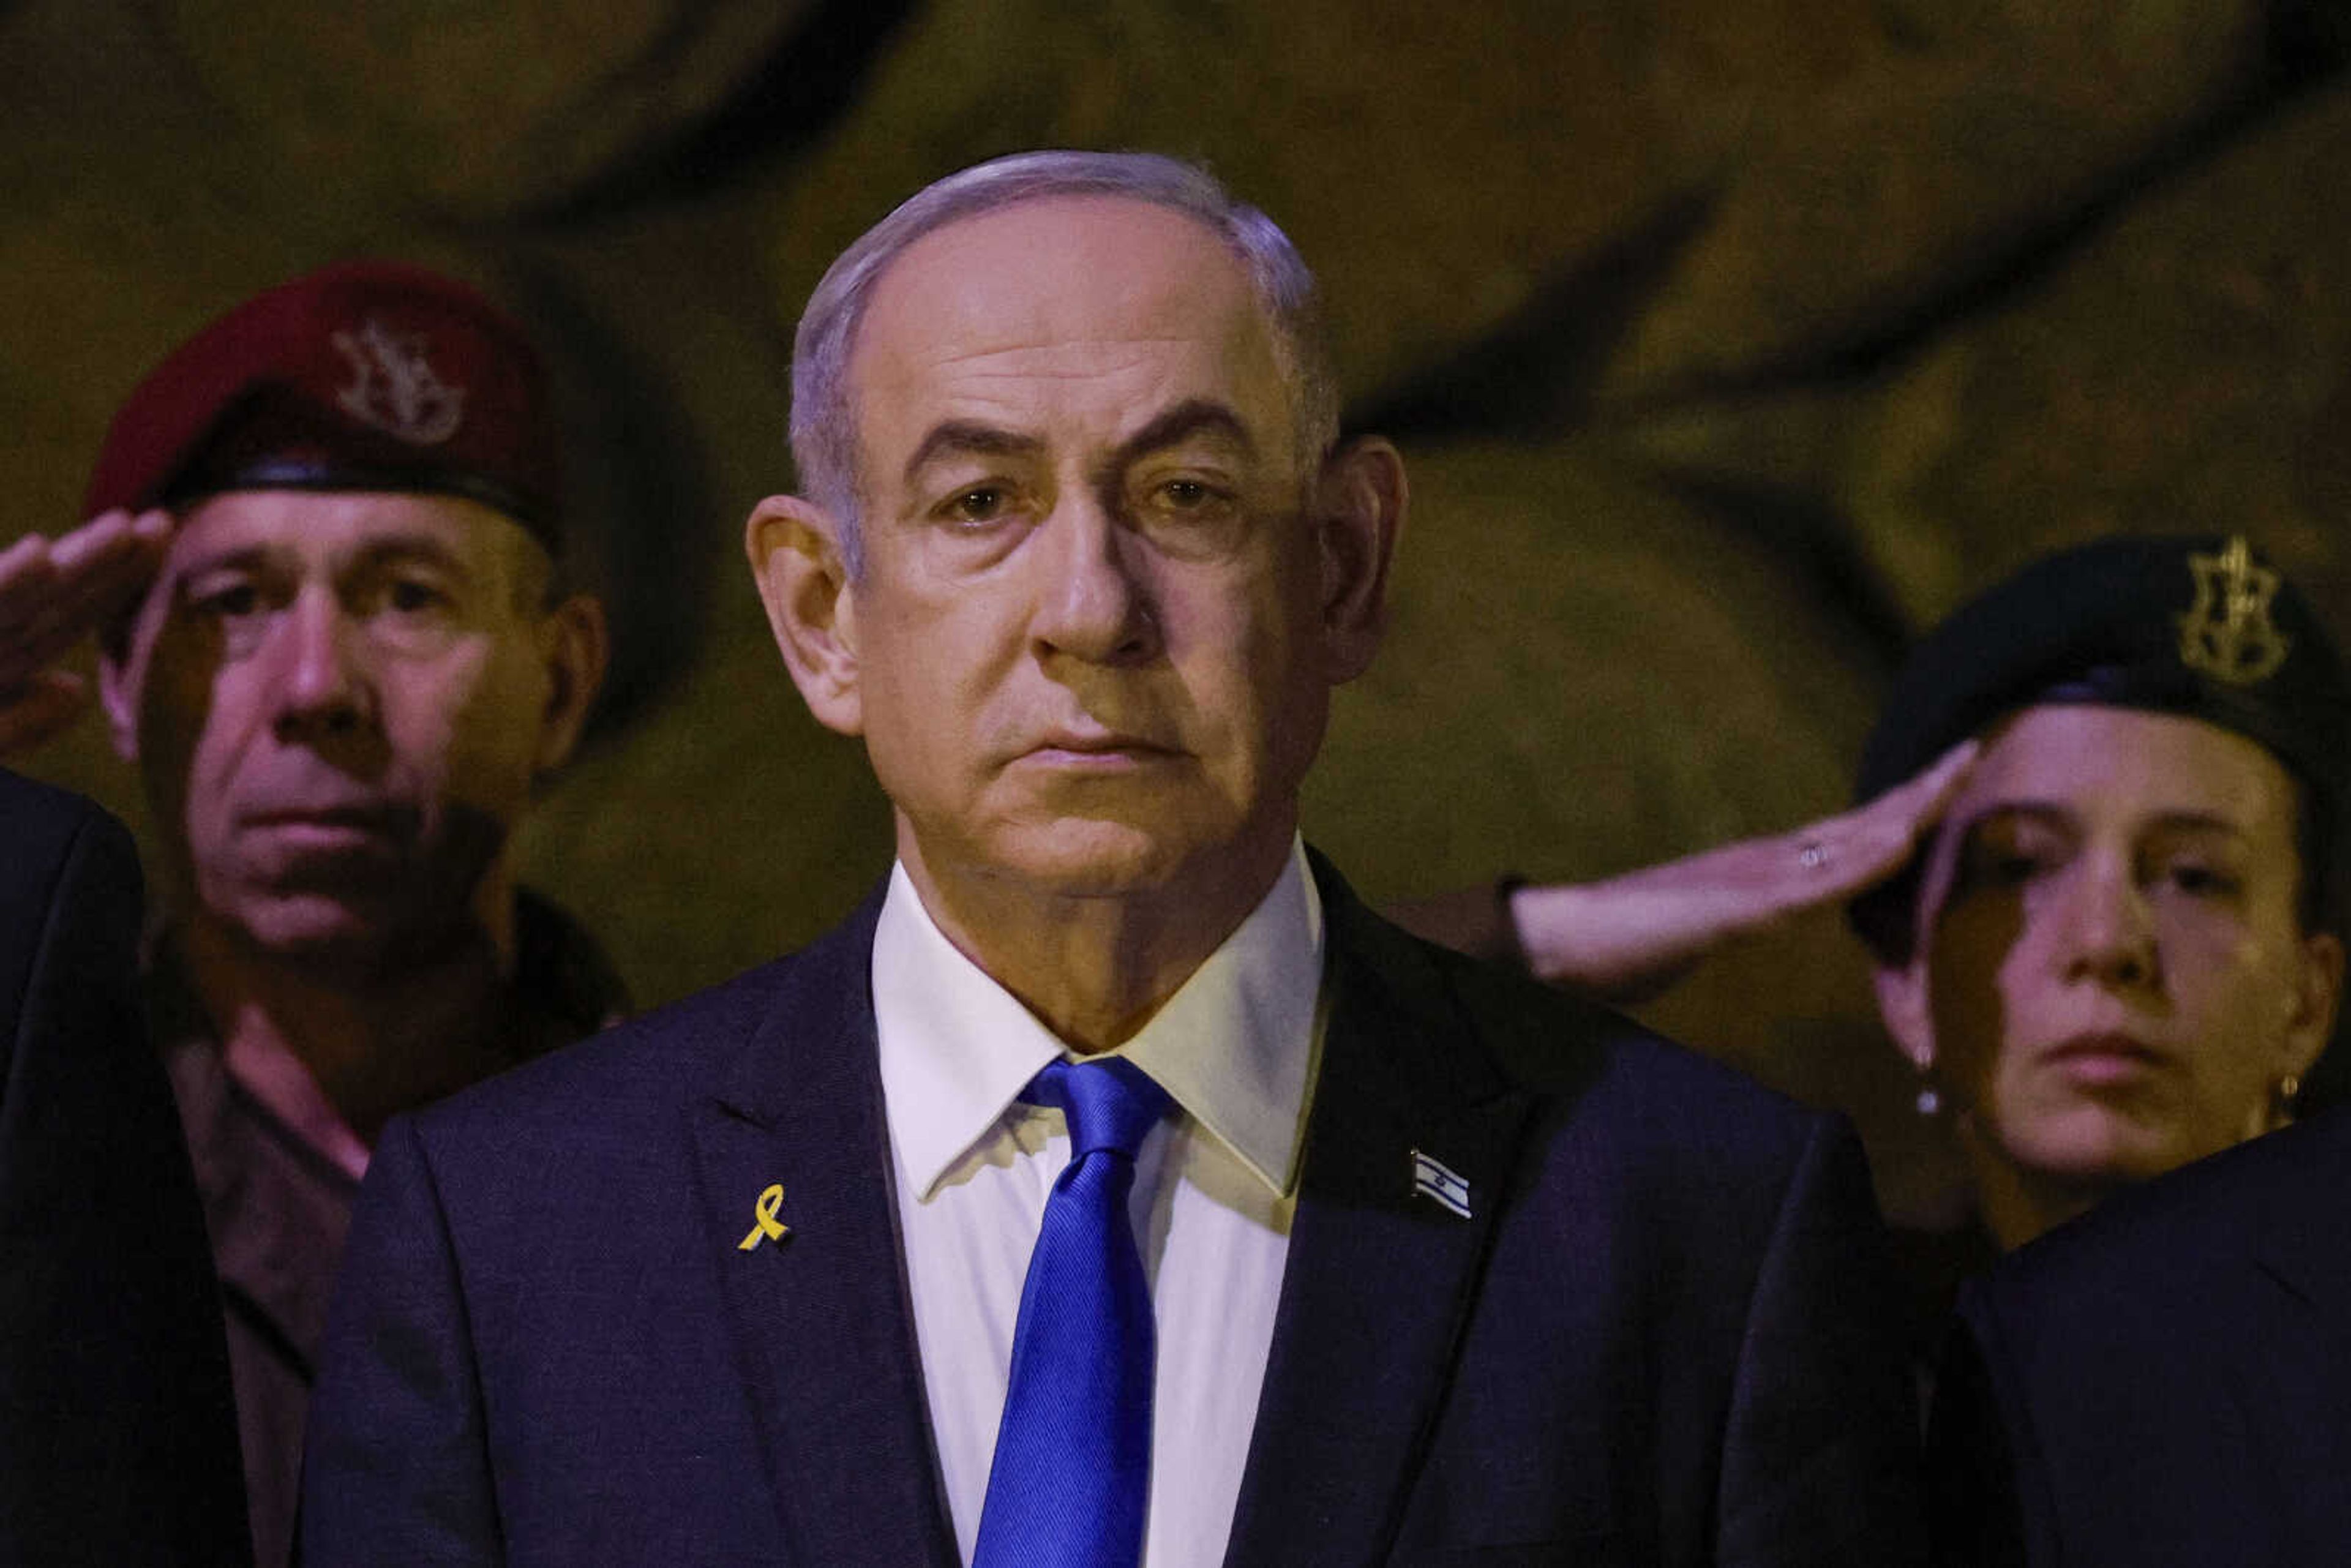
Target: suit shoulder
x,y
71,894
1586,1064
31,800
1542,1038
626,1071
41,823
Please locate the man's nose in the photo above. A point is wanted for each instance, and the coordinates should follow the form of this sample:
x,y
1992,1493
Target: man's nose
x,y
1095,600
320,684
2106,928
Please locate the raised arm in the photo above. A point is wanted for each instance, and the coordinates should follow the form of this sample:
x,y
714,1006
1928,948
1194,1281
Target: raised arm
x,y
1628,938
53,594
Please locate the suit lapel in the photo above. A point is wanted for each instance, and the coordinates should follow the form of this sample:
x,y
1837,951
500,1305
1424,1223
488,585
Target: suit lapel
x,y
2292,1338
820,1319
1380,1278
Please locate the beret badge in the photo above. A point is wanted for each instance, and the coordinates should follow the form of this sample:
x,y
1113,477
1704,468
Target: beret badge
x,y
394,388
2227,634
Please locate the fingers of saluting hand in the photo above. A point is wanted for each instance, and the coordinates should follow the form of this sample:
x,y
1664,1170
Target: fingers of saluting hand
x,y
1850,853
40,707
1623,937
54,592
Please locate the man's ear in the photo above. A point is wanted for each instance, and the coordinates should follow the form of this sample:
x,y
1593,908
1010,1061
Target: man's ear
x,y
1907,1009
796,559
1358,509
577,646
2318,991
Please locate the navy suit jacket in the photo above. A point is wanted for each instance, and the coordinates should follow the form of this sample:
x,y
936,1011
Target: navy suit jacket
x,y
118,1442
2167,1380
1662,1337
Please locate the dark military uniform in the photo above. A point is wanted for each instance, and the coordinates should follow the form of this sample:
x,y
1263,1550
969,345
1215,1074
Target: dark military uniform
x,y
277,1208
362,376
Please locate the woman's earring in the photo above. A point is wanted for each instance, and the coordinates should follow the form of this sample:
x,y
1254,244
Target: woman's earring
x,y
2283,1094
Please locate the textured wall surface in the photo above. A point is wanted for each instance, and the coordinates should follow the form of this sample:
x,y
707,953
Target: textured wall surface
x,y
1730,341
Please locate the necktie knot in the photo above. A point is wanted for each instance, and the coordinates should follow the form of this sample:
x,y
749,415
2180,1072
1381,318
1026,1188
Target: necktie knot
x,y
1109,1103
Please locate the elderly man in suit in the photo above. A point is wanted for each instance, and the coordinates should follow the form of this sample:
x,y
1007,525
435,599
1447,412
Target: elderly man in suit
x,y
1112,1187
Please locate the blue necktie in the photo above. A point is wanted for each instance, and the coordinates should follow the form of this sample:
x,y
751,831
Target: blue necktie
x,y
1072,1466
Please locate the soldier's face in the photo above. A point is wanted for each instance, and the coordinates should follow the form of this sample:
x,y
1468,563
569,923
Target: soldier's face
x,y
2112,975
339,702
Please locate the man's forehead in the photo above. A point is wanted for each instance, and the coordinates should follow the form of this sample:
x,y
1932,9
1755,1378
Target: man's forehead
x,y
1036,249
328,525
1055,283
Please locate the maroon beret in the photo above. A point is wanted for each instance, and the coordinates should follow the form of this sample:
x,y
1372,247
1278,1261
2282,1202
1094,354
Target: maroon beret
x,y
366,375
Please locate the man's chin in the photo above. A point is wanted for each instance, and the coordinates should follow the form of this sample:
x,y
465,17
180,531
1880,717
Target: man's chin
x,y
1083,857
347,937
1115,857
313,925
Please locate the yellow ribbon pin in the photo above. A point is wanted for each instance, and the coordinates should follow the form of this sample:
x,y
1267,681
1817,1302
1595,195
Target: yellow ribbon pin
x,y
769,1226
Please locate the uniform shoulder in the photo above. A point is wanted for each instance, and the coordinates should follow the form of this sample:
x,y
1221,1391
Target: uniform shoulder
x,y
2157,1239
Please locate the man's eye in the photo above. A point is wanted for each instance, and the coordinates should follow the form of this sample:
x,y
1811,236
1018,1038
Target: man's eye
x,y
2200,880
980,503
1191,516
229,602
2011,870
1188,498
409,596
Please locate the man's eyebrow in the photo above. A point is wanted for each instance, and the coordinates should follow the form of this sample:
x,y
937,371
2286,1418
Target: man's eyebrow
x,y
409,547
381,550
230,558
1192,416
962,436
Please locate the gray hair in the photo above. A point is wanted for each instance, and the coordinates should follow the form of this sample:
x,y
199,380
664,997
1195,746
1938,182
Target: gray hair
x,y
824,422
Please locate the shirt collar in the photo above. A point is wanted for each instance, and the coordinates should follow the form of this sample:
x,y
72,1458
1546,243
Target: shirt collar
x,y
1234,1046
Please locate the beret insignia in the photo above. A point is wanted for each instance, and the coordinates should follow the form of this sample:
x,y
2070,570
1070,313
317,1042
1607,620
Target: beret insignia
x,y
2228,633
393,387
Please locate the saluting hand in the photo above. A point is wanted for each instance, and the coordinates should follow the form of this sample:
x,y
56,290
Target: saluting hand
x,y
53,593
1631,935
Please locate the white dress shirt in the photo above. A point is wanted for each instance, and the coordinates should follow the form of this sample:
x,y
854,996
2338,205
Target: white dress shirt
x,y
1215,1188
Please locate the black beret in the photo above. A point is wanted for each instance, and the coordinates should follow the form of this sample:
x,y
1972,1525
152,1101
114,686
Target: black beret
x,y
2194,626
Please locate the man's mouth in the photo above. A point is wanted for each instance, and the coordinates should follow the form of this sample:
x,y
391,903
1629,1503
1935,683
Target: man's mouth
x,y
1085,747
328,827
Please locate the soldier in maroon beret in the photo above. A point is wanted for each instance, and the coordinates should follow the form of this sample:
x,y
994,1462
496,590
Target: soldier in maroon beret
x,y
325,573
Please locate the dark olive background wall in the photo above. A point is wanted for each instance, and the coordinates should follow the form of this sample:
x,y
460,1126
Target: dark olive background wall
x,y
1729,342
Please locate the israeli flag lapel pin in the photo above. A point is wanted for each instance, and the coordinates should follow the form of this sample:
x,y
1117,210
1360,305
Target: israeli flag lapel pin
x,y
1440,1184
